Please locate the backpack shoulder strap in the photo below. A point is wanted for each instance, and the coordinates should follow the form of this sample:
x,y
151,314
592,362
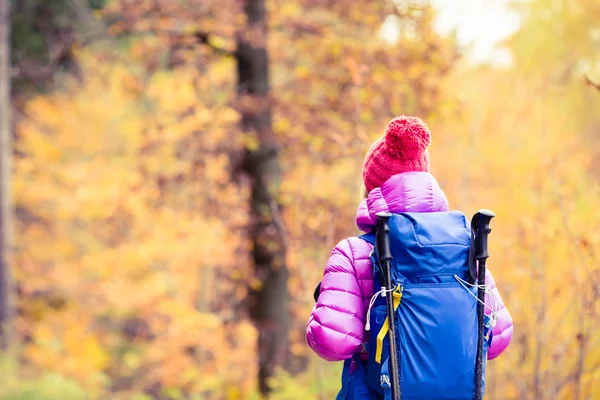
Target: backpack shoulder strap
x,y
369,237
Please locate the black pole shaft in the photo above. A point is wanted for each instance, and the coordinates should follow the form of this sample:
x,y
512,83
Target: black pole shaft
x,y
385,257
395,368
480,326
480,226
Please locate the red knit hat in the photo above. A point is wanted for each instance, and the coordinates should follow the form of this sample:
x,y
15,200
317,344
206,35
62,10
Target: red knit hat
x,y
403,148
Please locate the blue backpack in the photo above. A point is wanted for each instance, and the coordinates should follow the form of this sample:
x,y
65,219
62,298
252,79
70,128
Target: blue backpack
x,y
435,314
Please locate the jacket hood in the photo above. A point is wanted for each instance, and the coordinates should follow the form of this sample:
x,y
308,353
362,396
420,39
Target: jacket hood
x,y
405,192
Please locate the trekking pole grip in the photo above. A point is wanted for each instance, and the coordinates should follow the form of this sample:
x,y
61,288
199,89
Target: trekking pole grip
x,y
383,236
482,222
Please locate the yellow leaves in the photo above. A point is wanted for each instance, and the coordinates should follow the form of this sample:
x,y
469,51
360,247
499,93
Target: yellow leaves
x,y
250,142
132,359
164,161
302,71
128,133
216,168
40,146
210,383
83,124
180,89
229,115
246,332
119,223
255,284
187,126
65,249
414,71
85,348
188,318
281,125
47,111
289,9
67,338
147,49
221,70
187,329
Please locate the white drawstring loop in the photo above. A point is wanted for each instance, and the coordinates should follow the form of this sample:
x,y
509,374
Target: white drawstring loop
x,y
381,292
488,290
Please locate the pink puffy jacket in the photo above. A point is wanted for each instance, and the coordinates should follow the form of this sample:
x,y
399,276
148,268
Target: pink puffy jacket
x,y
337,321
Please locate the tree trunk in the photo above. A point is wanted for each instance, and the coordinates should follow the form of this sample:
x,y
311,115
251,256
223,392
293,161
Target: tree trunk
x,y
268,302
6,309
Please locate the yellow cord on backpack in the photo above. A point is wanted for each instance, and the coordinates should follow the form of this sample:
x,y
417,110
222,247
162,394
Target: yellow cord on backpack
x,y
397,293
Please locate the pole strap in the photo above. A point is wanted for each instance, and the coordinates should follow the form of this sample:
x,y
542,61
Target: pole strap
x,y
397,295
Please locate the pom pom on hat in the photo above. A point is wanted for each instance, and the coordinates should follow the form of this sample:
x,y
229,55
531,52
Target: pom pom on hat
x,y
406,138
403,148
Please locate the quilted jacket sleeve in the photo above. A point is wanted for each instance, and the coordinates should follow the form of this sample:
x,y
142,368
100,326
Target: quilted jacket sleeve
x,y
503,330
336,324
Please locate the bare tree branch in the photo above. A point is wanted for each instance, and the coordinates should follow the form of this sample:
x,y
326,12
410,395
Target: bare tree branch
x,y
201,37
87,27
204,38
574,239
591,83
572,378
30,70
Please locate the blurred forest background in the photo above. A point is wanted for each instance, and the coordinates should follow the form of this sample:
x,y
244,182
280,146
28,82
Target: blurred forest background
x,y
182,168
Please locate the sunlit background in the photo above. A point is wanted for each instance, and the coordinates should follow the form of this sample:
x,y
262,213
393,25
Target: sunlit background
x,y
151,159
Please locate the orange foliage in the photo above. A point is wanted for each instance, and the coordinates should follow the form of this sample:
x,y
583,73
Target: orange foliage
x,y
132,259
117,227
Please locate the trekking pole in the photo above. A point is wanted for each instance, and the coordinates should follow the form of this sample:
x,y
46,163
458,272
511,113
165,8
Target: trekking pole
x,y
382,241
480,228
